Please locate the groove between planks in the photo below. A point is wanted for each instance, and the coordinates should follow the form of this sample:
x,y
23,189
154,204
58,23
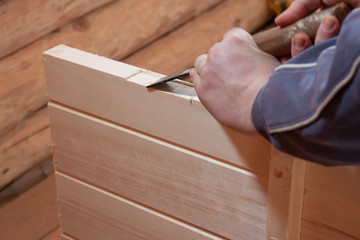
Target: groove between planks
x,y
186,186
156,140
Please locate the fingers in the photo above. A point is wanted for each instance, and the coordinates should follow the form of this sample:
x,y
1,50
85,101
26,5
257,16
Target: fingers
x,y
329,27
297,10
300,42
195,73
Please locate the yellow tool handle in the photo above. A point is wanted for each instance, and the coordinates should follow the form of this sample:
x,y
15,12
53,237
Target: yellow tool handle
x,y
277,41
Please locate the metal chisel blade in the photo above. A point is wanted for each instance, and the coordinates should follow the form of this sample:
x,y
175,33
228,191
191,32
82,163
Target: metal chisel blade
x,y
170,77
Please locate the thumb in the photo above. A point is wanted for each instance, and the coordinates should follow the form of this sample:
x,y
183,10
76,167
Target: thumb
x,y
300,42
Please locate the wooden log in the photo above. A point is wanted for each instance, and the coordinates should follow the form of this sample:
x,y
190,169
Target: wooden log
x,y
22,22
181,183
91,211
34,123
103,31
32,215
26,181
27,146
178,50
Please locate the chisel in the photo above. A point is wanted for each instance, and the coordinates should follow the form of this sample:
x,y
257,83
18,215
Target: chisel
x,y
277,41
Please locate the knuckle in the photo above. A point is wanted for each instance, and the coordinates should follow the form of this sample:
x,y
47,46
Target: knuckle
x,y
215,50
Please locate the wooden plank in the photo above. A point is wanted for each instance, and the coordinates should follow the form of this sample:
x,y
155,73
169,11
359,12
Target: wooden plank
x,y
335,216
22,22
341,183
178,50
106,31
32,215
24,147
285,196
179,182
174,113
91,211
311,231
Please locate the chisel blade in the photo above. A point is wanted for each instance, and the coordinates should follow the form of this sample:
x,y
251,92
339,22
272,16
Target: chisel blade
x,y
170,77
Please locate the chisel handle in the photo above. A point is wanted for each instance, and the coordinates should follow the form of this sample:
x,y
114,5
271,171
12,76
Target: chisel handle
x,y
277,41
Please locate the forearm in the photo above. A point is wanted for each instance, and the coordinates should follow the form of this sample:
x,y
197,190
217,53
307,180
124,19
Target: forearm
x,y
310,106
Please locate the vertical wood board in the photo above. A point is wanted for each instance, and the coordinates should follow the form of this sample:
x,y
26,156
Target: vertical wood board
x,y
278,195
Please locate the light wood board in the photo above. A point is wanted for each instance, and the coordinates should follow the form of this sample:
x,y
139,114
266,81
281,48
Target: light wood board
x,y
98,214
182,183
176,116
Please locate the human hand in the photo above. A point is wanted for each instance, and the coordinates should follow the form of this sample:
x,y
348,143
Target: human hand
x,y
329,27
228,78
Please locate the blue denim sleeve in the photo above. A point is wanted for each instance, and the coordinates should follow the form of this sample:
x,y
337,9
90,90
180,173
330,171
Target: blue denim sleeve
x,y
310,108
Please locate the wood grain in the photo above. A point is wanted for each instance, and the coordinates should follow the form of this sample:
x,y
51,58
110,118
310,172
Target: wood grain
x,y
22,22
25,147
311,231
176,116
285,196
336,217
91,210
280,177
178,50
184,184
296,201
340,183
32,215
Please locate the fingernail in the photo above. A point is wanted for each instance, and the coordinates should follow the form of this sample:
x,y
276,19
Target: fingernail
x,y
299,43
192,73
329,24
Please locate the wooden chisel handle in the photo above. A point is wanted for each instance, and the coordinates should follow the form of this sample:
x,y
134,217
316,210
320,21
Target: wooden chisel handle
x,y
277,41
